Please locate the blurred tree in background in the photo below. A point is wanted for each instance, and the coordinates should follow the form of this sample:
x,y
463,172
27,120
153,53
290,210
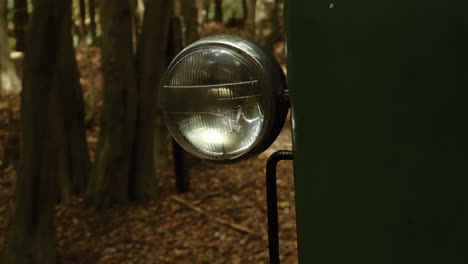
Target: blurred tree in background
x,y
151,58
54,160
218,11
92,19
190,13
137,39
124,169
110,175
20,18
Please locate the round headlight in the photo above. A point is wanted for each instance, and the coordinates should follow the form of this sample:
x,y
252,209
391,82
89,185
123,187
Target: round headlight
x,y
221,98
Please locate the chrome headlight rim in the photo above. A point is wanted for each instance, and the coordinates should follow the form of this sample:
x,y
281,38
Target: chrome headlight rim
x,y
272,77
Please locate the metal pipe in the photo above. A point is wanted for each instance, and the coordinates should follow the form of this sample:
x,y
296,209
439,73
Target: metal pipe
x,y
272,202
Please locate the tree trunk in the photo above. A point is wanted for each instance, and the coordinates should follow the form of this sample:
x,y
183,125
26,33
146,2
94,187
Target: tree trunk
x,y
244,11
92,18
124,168
75,125
218,11
151,66
175,40
9,82
191,25
3,11
109,183
266,24
183,161
20,18
48,145
251,17
82,6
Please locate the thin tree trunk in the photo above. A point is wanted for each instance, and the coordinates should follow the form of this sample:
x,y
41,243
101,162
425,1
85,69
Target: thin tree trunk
x,y
92,18
3,11
110,176
251,17
48,154
151,67
244,12
82,6
183,161
161,134
190,14
20,19
218,11
124,168
75,125
175,42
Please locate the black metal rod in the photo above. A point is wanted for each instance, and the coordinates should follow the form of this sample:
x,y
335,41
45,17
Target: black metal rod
x,y
272,202
181,168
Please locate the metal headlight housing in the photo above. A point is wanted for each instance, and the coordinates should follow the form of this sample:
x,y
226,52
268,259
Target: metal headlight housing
x,y
221,99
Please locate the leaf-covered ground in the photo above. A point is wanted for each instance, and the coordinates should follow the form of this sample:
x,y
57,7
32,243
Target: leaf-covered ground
x,y
221,220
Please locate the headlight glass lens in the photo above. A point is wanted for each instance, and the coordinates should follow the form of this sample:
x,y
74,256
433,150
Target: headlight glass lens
x,y
214,104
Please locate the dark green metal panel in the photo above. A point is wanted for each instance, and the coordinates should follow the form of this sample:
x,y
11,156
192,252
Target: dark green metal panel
x,y
379,96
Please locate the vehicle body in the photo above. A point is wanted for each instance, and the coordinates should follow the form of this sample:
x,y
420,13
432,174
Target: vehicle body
x,y
379,106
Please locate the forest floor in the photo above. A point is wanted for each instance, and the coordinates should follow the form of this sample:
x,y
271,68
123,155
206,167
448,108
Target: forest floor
x,y
222,219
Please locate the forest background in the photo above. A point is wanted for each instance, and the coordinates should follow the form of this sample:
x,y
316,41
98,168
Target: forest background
x,y
87,172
